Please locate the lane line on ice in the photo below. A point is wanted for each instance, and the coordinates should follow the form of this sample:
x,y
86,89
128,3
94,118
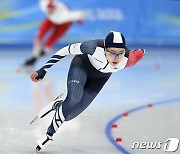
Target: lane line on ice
x,y
108,128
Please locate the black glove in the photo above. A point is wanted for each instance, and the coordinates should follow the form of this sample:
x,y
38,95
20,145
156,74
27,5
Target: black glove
x,y
41,73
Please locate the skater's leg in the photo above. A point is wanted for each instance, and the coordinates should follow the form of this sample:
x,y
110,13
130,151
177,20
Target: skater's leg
x,y
71,109
58,32
37,52
91,90
77,77
43,29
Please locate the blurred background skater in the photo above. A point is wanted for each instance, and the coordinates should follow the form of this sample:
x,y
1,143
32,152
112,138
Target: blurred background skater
x,y
90,69
59,19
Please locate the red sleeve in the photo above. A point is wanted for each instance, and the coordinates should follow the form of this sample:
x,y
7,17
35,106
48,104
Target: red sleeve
x,y
134,57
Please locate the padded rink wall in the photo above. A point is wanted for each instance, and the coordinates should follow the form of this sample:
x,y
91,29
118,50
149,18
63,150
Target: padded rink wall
x,y
153,22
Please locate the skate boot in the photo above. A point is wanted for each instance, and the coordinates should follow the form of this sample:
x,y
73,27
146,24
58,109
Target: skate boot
x,y
30,62
27,67
50,107
44,142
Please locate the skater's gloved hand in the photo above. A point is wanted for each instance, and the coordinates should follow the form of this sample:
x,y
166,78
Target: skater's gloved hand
x,y
38,75
135,56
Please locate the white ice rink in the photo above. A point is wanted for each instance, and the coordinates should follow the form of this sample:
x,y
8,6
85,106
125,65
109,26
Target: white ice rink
x,y
141,102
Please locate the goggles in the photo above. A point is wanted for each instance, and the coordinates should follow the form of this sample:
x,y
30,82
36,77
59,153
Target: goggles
x,y
112,54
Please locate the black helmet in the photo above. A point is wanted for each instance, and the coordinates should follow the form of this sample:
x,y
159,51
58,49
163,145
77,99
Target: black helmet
x,y
115,39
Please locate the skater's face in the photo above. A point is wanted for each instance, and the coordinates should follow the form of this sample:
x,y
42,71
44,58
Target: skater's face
x,y
114,55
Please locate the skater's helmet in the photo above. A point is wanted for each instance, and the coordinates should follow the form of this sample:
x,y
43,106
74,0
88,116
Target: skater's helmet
x,y
115,39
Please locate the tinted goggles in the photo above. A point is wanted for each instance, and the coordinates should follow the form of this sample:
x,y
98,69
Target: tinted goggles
x,y
112,54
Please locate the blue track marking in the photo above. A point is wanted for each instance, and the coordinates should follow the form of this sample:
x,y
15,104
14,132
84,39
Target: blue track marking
x,y
110,123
